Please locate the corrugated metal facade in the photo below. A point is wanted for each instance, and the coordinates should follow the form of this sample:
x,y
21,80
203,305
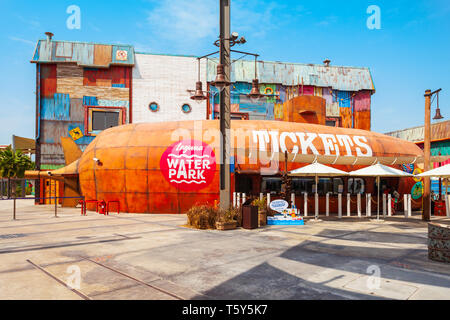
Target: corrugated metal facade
x,y
74,77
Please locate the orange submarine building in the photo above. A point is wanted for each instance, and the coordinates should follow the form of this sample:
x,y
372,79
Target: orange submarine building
x,y
168,167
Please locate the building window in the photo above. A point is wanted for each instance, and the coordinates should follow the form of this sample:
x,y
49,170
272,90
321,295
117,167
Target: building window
x,y
102,120
326,185
186,108
271,185
356,185
301,185
153,106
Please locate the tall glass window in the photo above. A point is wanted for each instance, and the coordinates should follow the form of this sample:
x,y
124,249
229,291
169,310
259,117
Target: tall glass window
x,y
356,185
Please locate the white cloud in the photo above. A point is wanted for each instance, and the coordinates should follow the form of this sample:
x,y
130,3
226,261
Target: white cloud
x,y
184,22
29,42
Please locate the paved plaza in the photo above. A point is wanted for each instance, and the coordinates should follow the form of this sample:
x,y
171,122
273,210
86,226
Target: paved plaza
x,y
143,256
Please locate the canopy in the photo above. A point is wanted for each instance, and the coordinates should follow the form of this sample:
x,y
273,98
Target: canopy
x,y
442,172
317,169
379,170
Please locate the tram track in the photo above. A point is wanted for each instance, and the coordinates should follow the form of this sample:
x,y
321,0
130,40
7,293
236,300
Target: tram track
x,y
116,271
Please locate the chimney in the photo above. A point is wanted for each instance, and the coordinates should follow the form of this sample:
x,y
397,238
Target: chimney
x,y
326,63
49,36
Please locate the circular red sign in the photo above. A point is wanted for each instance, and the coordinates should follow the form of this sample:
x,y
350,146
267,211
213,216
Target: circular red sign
x,y
188,165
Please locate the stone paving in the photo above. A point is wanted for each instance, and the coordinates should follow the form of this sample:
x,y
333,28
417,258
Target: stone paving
x,y
140,256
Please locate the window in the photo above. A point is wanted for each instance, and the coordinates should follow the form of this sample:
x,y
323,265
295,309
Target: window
x,y
338,185
355,185
301,185
186,108
153,106
271,185
102,120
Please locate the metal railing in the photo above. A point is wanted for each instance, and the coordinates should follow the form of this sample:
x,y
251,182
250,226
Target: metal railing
x,y
44,198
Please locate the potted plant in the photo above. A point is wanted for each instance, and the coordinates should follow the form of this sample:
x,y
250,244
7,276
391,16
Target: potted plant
x,y
262,210
226,220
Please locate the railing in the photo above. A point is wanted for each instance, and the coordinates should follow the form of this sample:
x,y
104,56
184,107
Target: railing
x,y
344,201
33,198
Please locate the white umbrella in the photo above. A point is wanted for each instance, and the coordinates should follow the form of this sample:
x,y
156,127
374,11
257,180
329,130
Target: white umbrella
x,y
317,170
442,172
379,170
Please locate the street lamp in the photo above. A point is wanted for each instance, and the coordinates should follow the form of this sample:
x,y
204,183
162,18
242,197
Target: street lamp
x,y
220,82
426,213
198,95
254,94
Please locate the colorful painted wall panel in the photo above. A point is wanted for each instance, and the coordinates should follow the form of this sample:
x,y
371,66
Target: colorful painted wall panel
x,y
362,120
48,80
362,101
346,117
56,108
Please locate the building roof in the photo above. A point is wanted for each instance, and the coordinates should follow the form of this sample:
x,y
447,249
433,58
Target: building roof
x,y
337,77
439,131
85,54
24,144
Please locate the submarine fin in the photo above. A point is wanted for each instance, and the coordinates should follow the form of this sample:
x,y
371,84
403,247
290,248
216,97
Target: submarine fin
x,y
72,151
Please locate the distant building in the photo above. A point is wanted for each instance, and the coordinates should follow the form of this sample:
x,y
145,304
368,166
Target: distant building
x,y
440,144
440,139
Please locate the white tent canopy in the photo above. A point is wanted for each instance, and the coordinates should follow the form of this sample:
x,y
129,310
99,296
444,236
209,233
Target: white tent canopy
x,y
379,170
442,172
317,170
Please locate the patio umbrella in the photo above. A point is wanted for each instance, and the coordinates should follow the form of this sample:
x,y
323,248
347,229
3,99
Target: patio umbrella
x,y
441,172
379,170
317,170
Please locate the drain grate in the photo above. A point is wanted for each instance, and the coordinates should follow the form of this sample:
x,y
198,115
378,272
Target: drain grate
x,y
12,236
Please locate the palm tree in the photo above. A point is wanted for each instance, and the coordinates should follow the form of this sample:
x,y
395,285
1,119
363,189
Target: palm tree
x,y
13,165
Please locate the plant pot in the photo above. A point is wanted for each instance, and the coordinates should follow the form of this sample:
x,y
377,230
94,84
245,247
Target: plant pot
x,y
262,218
226,225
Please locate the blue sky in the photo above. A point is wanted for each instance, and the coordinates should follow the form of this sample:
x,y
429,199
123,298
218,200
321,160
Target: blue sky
x,y
409,54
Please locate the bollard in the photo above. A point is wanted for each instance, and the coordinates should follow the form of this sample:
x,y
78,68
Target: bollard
x,y
268,200
234,199
447,209
327,208
384,204
56,208
238,199
369,205
389,205
261,196
405,205
409,205
244,198
339,205
305,204
348,205
358,199
14,209
292,199
316,205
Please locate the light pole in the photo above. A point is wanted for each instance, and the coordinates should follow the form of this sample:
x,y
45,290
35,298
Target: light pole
x,y
225,105
222,83
426,213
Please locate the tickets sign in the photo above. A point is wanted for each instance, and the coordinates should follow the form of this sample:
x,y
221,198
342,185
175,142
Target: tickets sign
x,y
188,165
